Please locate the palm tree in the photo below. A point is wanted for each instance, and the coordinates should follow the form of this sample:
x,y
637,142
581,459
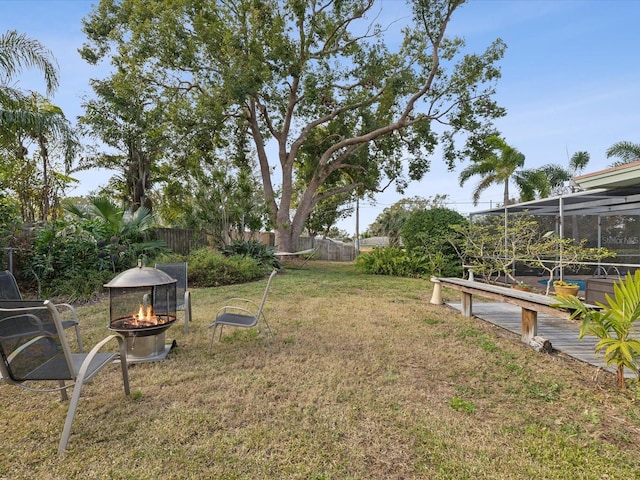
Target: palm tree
x,y
627,152
54,139
500,167
51,129
17,53
532,184
559,175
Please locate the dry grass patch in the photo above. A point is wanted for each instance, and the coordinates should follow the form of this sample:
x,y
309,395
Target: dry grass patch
x,y
365,379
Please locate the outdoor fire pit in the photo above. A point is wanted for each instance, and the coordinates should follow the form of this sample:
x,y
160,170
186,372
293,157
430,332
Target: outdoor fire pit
x,y
142,306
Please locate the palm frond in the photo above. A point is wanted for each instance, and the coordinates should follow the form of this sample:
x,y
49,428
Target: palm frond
x,y
627,152
19,52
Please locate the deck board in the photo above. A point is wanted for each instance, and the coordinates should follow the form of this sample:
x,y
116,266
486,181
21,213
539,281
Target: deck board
x,y
563,334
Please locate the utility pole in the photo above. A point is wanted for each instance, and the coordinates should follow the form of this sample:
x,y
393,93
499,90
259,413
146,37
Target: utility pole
x,y
357,242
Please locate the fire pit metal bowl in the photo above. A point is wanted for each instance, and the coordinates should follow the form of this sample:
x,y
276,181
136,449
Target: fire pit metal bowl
x,y
142,306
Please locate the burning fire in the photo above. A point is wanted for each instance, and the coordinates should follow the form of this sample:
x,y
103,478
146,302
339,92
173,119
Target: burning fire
x,y
145,317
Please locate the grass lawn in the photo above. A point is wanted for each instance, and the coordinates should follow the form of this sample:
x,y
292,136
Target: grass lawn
x,y
365,380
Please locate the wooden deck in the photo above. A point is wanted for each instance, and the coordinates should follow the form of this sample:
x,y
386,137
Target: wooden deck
x,y
563,334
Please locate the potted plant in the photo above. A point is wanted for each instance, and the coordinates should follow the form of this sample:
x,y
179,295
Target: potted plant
x,y
565,289
613,324
522,286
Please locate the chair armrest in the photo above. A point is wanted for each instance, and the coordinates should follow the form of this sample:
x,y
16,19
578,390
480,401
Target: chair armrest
x,y
94,351
241,301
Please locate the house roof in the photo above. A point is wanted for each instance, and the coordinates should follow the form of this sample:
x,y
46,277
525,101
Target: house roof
x,y
620,176
612,191
602,201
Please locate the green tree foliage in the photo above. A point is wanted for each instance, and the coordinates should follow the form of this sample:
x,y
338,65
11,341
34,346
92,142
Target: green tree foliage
x,y
430,233
38,157
493,248
554,254
390,221
126,115
74,257
120,236
330,208
327,213
37,180
288,69
222,199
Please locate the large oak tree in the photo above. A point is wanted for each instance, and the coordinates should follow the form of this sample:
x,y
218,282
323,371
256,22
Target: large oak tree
x,y
293,69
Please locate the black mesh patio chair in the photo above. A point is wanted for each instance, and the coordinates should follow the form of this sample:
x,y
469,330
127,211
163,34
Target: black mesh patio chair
x,y
244,313
34,349
9,290
178,271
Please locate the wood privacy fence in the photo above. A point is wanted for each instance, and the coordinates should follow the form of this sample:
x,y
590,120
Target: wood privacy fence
x,y
329,249
182,241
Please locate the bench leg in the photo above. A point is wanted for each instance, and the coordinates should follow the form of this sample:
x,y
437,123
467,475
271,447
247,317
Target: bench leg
x,y
467,304
529,324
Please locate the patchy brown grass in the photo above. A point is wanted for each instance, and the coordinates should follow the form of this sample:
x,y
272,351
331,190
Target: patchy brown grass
x,y
365,380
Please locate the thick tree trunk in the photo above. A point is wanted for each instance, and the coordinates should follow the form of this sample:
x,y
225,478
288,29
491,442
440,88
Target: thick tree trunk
x,y
287,233
284,240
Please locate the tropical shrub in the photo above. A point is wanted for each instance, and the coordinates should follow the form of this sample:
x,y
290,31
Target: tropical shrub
x,y
263,254
209,268
614,324
64,254
121,237
69,256
393,261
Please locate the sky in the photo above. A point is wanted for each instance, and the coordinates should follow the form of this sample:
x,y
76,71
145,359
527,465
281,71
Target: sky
x,y
569,83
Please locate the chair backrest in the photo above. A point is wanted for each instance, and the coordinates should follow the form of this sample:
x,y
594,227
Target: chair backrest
x,y
177,271
9,289
266,293
32,342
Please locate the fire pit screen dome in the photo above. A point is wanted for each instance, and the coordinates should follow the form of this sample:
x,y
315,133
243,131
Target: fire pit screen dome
x,y
134,277
142,306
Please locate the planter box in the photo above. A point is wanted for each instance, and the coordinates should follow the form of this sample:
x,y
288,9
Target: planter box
x,y
565,291
598,287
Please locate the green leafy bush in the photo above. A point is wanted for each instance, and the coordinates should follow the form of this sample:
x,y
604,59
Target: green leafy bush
x,y
209,268
73,257
264,255
393,261
430,233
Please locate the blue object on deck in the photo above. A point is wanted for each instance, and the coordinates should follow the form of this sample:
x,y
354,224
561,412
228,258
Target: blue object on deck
x,y
581,283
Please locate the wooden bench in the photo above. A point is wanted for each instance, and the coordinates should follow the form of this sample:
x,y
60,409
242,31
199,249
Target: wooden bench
x,y
531,303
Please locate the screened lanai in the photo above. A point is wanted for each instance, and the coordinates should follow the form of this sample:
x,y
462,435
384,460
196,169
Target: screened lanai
x,y
606,213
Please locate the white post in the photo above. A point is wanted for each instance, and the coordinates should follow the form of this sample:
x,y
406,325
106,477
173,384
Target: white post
x,y
436,298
